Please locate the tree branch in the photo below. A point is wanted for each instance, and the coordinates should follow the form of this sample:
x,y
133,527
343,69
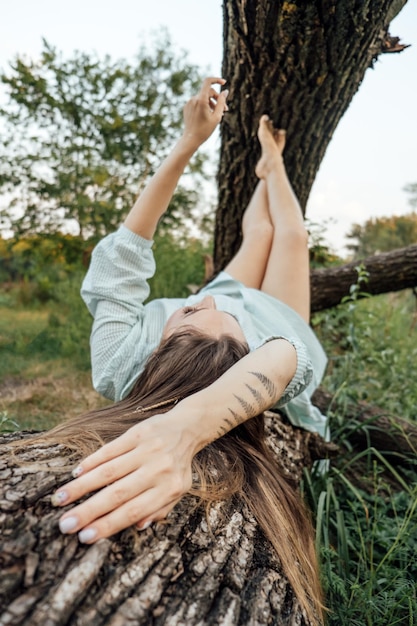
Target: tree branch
x,y
390,271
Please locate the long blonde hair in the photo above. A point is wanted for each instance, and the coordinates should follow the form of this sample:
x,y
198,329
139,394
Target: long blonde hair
x,y
239,463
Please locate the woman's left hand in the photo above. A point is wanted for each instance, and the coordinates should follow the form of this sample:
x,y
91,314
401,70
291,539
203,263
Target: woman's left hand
x,y
138,478
203,112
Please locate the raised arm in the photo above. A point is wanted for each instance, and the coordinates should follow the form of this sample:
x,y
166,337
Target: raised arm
x,y
116,284
201,116
142,474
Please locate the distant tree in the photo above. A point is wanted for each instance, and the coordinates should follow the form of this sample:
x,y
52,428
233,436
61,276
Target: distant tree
x,y
82,135
411,189
382,234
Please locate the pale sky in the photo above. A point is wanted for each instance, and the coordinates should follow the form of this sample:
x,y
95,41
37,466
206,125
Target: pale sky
x,y
373,152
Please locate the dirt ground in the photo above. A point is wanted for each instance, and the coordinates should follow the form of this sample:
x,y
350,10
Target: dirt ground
x,y
44,401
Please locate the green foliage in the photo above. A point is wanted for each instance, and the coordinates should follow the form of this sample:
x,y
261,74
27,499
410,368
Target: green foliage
x,y
382,234
83,135
367,542
320,253
411,189
369,357
365,507
373,340
7,425
62,330
68,330
180,266
40,262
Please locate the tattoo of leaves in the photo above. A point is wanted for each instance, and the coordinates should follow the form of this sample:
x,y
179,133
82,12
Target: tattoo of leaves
x,y
230,424
238,418
267,383
249,409
222,431
257,395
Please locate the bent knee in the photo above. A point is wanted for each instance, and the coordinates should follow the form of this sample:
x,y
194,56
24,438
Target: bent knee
x,y
261,232
296,236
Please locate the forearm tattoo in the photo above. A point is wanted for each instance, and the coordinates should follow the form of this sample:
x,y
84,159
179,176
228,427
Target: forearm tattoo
x,y
229,424
238,418
246,406
249,409
267,383
257,395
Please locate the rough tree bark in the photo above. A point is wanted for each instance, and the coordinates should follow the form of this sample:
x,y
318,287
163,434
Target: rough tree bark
x,y
183,573
300,62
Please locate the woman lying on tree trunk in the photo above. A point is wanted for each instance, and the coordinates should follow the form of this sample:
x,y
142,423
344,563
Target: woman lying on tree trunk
x,y
191,378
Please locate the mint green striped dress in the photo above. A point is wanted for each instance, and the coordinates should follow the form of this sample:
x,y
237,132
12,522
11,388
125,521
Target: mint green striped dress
x,y
126,330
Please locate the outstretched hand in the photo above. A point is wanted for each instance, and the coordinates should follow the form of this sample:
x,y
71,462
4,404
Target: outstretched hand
x,y
203,112
138,478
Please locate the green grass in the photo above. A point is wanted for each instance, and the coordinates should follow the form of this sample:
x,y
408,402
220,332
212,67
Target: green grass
x,y
372,348
17,330
44,360
365,507
367,540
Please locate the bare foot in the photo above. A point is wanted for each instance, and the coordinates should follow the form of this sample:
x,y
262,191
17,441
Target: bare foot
x,y
272,142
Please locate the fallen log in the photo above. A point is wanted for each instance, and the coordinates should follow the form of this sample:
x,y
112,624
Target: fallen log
x,y
192,570
390,271
373,426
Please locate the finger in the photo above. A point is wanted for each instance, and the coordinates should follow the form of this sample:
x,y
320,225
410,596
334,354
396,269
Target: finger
x,y
280,138
208,82
213,98
158,516
104,502
115,448
221,105
101,476
157,474
115,521
129,514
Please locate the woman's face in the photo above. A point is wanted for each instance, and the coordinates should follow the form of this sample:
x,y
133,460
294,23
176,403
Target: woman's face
x,y
205,317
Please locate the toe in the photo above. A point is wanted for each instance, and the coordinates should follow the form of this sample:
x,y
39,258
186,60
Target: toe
x,y
280,136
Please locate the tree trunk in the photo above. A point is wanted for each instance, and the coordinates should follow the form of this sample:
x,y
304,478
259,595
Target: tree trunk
x,y
185,572
390,271
300,62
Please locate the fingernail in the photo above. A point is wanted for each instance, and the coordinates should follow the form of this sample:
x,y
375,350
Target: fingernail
x,y
77,471
87,535
144,526
68,524
59,498
226,93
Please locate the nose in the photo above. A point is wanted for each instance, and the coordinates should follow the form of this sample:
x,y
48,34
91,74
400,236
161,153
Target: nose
x,y
208,302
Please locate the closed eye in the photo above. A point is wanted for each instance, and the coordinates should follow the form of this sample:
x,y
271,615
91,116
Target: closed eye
x,y
189,309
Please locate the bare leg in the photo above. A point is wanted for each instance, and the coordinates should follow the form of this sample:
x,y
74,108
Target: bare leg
x,y
249,264
287,274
